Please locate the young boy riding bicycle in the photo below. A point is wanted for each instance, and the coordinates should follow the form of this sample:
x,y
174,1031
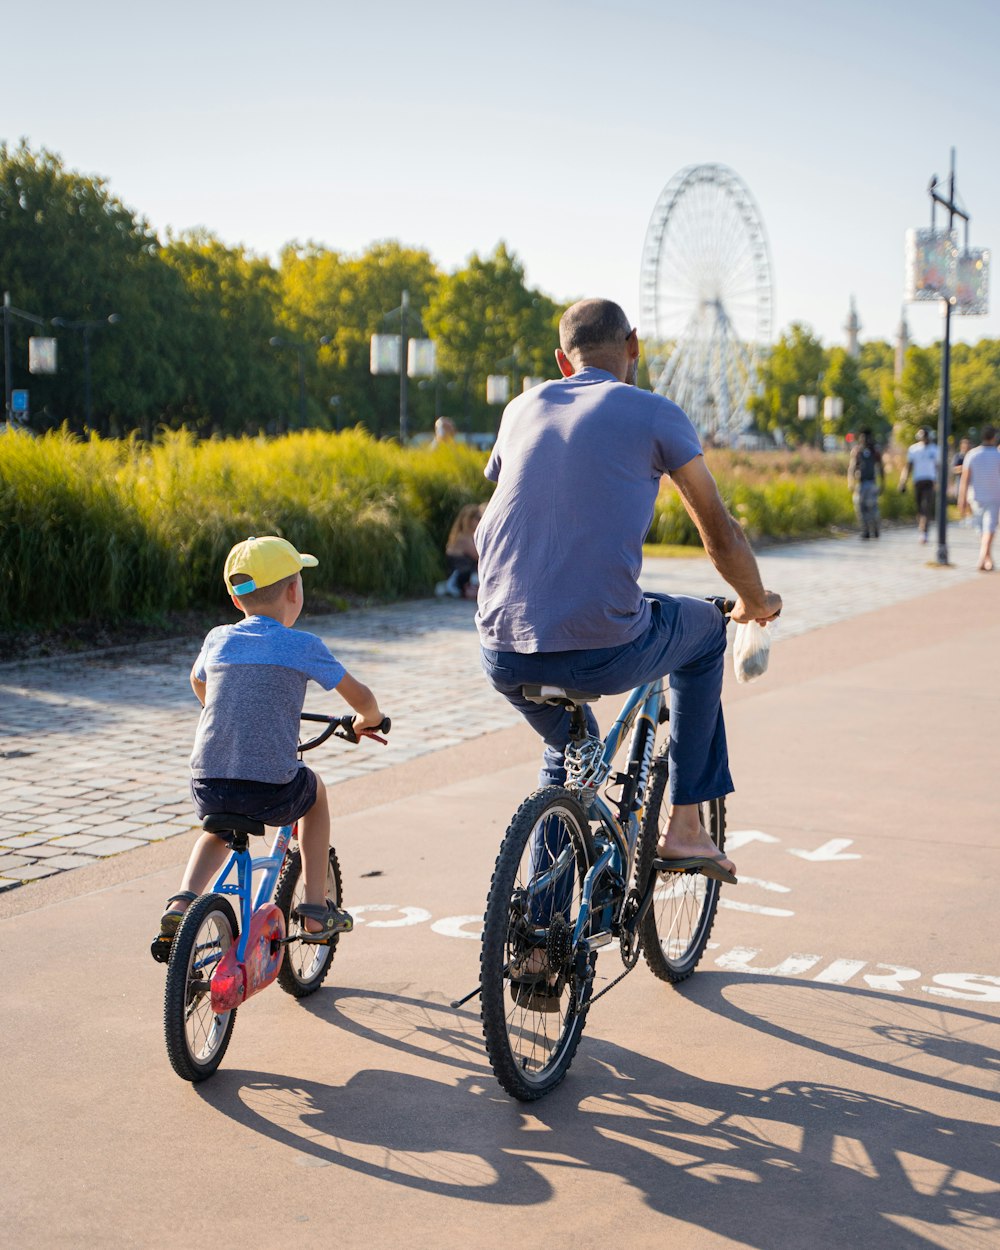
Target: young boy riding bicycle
x,y
251,681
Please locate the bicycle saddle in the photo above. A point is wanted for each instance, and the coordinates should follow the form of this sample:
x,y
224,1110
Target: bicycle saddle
x,y
227,822
557,694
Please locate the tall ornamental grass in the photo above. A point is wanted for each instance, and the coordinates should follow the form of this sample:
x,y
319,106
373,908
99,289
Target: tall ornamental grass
x,y
777,495
121,530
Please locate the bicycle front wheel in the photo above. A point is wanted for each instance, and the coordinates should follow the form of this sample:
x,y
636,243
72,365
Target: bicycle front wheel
x,y
196,1036
676,929
533,984
304,968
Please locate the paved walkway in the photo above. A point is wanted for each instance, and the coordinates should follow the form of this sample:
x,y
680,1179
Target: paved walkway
x,y
93,750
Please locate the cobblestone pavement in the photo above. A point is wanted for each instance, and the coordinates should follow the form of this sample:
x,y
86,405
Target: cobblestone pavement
x,y
93,749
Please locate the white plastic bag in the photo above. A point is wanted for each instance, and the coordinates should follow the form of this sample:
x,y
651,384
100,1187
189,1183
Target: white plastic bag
x,y
751,651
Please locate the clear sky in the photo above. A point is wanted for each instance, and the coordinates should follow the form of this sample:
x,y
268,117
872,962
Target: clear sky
x,y
553,125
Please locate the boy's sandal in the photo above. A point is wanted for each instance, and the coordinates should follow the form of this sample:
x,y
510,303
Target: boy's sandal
x,y
333,919
170,922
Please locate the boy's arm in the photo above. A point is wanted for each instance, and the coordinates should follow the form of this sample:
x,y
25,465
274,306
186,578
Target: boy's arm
x,y
362,700
198,686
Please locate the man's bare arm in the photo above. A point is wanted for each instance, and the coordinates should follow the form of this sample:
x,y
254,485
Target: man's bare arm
x,y
725,543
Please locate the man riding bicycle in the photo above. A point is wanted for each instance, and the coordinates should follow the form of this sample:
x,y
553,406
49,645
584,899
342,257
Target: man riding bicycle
x,y
578,463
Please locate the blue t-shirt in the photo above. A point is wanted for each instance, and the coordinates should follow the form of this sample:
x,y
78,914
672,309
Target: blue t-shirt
x,y
577,464
983,463
256,673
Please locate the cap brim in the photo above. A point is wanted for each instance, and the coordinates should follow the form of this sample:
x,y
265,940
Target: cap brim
x,y
308,562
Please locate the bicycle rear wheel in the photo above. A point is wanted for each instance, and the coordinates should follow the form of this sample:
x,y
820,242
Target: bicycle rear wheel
x,y
532,1024
304,968
676,929
196,1037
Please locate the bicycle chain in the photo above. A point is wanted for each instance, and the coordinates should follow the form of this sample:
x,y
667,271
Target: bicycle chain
x,y
590,1001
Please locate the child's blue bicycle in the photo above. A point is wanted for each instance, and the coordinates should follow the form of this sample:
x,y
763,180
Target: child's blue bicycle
x,y
218,961
561,890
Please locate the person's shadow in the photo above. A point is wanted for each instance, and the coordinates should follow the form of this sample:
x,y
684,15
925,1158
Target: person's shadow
x,y
773,1167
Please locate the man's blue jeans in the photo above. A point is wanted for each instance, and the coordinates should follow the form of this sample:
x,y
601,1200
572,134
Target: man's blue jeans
x,y
686,639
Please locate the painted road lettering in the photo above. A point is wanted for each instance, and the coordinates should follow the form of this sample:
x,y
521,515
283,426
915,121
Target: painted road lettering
x,y
883,977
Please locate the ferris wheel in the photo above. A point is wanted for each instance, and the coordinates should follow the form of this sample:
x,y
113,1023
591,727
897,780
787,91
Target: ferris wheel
x,y
706,297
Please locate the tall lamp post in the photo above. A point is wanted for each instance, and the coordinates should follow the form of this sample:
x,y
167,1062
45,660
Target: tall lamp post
x,y
410,355
9,312
939,270
87,328
299,349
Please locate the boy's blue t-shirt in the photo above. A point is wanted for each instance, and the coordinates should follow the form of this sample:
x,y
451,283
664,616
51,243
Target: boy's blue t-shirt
x,y
256,673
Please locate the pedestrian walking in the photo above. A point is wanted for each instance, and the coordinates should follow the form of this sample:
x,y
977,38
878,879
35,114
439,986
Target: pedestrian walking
x,y
980,484
922,460
866,478
957,460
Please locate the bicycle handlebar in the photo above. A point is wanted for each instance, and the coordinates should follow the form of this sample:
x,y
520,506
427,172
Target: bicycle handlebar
x,y
724,605
342,727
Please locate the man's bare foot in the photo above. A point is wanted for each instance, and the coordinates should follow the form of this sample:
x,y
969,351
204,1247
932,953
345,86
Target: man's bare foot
x,y
688,845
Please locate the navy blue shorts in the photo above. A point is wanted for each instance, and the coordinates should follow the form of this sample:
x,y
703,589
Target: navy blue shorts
x,y
274,805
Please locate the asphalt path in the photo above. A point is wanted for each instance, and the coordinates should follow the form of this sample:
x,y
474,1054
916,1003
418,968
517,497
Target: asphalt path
x,y
829,1077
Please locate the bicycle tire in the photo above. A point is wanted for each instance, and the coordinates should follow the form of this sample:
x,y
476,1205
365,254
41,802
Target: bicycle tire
x,y
305,965
530,1048
676,928
196,1037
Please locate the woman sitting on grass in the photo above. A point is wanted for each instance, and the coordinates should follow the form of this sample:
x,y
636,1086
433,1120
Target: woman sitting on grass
x,y
460,552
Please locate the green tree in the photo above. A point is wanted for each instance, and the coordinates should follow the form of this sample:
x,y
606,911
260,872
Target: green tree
x,y
346,300
877,363
233,381
69,248
794,367
486,320
975,387
844,379
918,395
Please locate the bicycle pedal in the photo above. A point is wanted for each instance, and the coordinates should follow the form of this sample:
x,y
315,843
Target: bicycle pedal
x,y
160,949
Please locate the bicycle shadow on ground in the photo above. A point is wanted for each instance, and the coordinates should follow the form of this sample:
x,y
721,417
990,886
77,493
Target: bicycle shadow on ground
x,y
766,1167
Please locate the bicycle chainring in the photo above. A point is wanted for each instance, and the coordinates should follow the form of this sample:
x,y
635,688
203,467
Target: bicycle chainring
x,y
628,939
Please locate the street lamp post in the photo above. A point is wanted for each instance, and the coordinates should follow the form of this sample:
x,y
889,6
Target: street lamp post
x,y
299,349
939,270
9,312
87,328
944,415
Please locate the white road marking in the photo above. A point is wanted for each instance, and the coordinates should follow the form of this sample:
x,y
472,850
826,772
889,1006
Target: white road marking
x,y
840,971
829,851
757,908
410,915
893,981
766,885
976,985
738,960
459,927
740,837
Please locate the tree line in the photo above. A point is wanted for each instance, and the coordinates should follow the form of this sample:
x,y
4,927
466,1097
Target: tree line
x,y
195,318
191,342
873,397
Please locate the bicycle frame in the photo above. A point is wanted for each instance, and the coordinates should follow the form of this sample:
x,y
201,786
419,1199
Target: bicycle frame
x,y
615,853
246,866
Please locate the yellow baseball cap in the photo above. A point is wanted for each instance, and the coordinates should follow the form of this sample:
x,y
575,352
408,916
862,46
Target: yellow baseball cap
x,y
261,562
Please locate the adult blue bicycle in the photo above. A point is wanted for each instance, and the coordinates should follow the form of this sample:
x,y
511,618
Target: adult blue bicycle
x,y
218,959
576,872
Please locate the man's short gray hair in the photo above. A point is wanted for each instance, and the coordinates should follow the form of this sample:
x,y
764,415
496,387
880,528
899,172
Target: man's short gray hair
x,y
592,323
